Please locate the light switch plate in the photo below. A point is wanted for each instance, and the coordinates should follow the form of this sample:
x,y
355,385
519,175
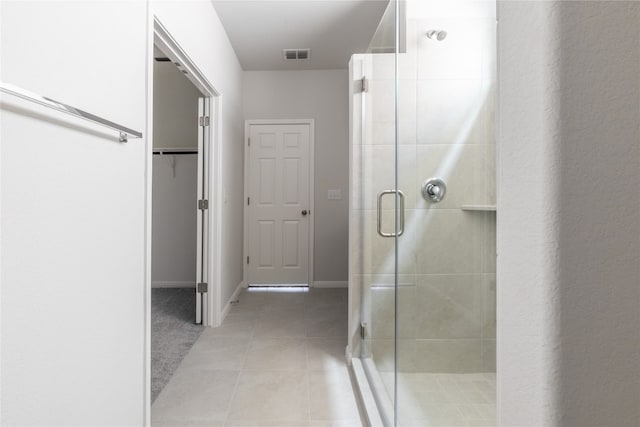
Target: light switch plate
x,y
334,194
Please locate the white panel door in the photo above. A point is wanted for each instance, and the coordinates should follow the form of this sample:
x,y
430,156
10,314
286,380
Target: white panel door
x,y
278,229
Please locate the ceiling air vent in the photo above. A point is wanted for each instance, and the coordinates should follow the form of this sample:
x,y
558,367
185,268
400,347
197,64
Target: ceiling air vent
x,y
296,54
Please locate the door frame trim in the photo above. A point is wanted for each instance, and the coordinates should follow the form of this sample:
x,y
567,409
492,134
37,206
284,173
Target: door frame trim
x,y
213,315
247,126
158,33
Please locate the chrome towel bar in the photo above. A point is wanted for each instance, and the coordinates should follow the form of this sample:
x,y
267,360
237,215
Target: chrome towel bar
x,y
60,106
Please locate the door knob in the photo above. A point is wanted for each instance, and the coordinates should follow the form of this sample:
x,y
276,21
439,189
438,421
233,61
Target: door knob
x,y
304,212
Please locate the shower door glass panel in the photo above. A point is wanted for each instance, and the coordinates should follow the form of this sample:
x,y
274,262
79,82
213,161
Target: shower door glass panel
x,y
445,359
423,220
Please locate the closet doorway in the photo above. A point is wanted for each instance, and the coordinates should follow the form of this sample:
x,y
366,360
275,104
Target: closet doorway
x,y
184,208
178,181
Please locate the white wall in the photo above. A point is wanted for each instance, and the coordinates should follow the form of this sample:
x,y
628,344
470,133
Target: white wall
x,y
198,30
73,211
175,108
569,214
323,96
74,203
174,220
175,125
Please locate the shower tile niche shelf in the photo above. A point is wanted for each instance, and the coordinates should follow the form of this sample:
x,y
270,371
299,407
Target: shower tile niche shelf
x,y
485,208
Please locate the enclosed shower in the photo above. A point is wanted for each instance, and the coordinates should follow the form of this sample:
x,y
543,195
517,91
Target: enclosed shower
x,y
422,215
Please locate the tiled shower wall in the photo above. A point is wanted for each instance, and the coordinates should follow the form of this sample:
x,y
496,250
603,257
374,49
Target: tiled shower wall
x,y
446,256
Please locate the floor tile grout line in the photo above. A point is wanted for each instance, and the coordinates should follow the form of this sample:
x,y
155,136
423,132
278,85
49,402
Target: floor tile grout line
x,y
242,370
305,340
306,373
233,396
308,377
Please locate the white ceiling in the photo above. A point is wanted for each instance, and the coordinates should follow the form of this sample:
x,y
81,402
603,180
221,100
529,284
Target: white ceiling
x,y
334,30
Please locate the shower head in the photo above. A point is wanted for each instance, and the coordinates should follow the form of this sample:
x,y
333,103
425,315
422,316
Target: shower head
x,y
437,35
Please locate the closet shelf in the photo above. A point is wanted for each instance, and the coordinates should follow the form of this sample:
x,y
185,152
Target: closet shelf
x,y
486,208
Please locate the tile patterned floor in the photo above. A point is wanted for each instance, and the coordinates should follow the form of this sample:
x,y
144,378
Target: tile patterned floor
x,y
277,360
447,400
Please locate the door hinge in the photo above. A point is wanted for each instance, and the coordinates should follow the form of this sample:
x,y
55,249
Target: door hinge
x,y
248,201
364,84
249,142
203,205
247,260
204,121
363,330
203,287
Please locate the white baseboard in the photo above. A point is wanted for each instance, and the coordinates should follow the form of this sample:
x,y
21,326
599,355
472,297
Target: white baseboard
x,y
234,297
173,284
337,284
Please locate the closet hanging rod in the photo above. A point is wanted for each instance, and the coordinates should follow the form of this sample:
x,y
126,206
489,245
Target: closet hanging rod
x,y
59,106
174,152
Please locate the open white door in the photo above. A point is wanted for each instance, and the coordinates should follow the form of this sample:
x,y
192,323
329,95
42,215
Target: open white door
x,y
202,211
278,204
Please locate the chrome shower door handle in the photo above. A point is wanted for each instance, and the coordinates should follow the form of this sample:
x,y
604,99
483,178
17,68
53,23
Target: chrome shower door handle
x,y
380,196
399,232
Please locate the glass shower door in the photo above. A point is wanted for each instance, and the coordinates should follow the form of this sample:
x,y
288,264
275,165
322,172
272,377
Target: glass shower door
x,y
423,213
377,228
445,306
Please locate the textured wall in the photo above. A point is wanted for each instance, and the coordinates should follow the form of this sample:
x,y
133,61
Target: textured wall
x,y
569,217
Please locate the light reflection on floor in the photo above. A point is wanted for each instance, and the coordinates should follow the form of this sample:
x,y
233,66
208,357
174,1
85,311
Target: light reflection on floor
x,y
452,400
